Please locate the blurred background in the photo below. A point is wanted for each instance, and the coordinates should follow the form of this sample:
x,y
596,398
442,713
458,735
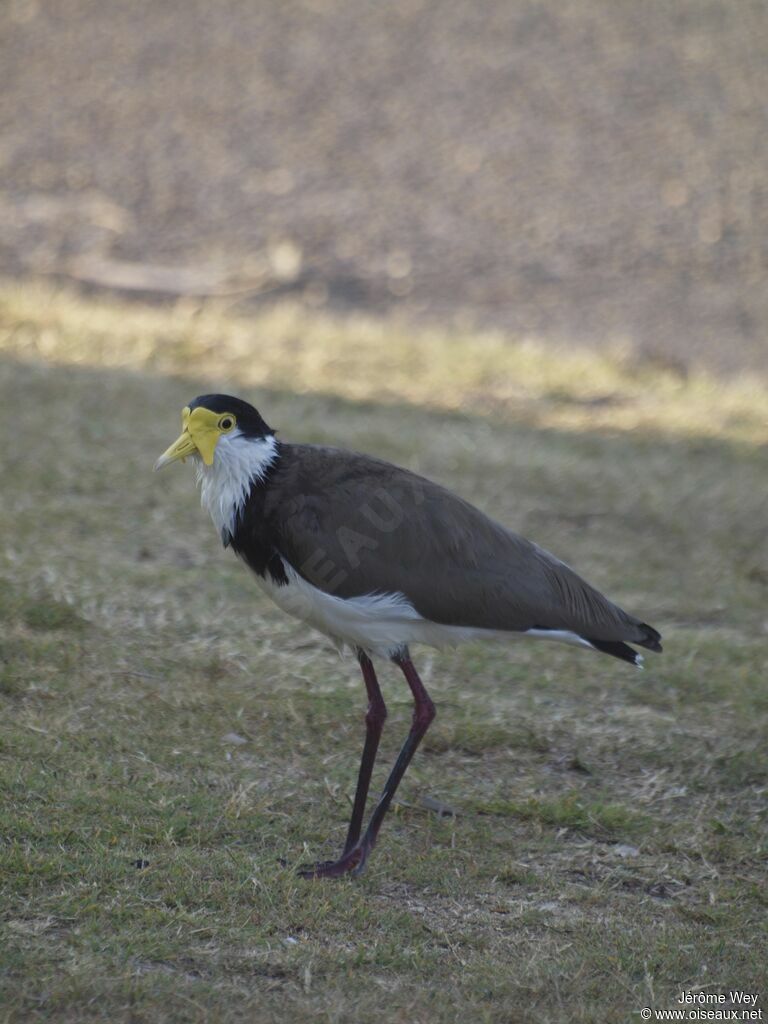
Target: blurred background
x,y
586,172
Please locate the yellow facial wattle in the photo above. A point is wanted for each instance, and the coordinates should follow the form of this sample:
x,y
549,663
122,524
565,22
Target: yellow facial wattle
x,y
201,433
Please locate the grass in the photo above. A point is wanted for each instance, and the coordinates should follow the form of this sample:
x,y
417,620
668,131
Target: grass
x,y
171,746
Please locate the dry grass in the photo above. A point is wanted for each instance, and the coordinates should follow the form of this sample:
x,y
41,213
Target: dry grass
x,y
171,745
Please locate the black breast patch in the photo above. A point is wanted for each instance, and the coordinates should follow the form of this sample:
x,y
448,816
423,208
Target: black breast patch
x,y
255,535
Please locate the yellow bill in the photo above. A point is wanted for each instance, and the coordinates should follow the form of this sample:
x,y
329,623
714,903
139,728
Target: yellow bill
x,y
202,430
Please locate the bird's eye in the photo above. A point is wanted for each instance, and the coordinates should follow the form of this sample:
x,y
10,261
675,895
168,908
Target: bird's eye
x,y
226,423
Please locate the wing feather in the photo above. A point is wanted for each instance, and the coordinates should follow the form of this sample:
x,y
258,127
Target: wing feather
x,y
354,525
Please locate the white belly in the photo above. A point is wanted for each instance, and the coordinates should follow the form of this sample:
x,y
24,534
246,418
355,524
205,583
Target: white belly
x,y
379,623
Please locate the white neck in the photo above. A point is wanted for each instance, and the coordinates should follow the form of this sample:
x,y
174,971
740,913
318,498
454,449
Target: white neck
x,y
238,461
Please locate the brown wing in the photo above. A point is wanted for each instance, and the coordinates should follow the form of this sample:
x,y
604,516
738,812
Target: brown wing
x,y
354,525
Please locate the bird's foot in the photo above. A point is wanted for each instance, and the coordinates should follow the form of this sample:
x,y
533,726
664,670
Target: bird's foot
x,y
352,862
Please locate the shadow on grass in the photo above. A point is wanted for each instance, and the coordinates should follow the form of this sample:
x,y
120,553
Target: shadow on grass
x,y
198,733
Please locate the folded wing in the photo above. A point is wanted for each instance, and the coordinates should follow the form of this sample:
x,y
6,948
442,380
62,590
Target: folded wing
x,y
352,525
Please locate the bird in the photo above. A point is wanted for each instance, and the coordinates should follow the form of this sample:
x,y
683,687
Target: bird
x,y
378,558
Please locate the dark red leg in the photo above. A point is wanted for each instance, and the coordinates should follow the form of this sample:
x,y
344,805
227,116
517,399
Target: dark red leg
x,y
374,724
423,715
354,858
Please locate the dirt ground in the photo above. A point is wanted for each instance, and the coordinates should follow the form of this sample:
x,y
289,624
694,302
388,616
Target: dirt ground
x,y
587,172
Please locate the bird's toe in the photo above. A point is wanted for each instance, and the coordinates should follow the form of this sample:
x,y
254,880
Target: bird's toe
x,y
352,862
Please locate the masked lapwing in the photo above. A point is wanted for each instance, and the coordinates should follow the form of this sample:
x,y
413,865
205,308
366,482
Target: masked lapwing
x,y
378,558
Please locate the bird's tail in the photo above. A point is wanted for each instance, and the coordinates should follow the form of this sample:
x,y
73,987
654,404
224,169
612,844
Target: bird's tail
x,y
649,638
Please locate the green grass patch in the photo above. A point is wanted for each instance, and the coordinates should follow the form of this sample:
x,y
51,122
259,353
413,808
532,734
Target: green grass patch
x,y
48,614
589,816
172,746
